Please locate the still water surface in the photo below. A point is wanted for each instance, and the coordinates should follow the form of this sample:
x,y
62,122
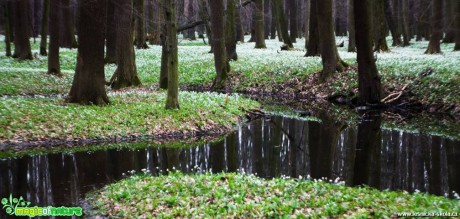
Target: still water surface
x,y
270,147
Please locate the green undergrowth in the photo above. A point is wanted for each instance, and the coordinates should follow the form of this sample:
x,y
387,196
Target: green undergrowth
x,y
131,113
229,195
256,69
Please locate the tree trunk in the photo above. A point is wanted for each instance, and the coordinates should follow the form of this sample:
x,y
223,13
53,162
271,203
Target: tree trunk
x,y
293,20
220,56
267,19
6,27
259,24
44,27
111,41
434,46
172,100
369,87
126,73
190,12
405,22
391,24
67,38
22,48
54,67
380,32
141,42
230,41
203,8
457,26
274,23
422,19
282,24
351,27
328,49
239,25
450,21
88,86
313,41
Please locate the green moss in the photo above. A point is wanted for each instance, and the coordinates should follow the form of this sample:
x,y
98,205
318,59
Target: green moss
x,y
129,114
240,196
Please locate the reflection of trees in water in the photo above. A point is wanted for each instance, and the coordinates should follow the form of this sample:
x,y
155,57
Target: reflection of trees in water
x,y
272,147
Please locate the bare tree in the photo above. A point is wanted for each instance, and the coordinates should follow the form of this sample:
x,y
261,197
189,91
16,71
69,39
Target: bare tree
x,y
434,46
53,57
88,86
369,86
218,41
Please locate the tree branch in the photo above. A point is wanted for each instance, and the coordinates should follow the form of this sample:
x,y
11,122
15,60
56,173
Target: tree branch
x,y
189,25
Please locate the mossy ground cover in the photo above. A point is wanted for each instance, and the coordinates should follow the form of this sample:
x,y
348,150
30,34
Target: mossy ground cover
x,y
131,113
230,195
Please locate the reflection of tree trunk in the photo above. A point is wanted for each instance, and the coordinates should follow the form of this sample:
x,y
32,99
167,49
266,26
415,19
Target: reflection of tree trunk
x,y
323,141
217,157
350,156
453,164
369,144
435,173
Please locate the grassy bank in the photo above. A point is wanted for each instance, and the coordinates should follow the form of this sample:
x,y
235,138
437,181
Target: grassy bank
x,y
261,70
239,196
131,113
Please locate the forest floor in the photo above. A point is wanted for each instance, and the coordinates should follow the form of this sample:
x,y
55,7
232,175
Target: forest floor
x,y
270,71
287,76
242,196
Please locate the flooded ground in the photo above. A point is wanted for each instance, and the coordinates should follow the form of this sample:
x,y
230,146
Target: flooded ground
x,y
269,147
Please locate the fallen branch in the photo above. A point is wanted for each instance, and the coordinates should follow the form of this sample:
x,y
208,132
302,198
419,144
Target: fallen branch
x,y
391,98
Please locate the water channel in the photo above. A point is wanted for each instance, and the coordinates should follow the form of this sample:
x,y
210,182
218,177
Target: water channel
x,y
269,147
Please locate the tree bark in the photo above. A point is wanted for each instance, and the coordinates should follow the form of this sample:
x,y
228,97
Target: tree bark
x,y
239,25
267,19
313,41
44,27
54,67
230,41
449,21
328,49
22,48
218,41
392,24
190,33
293,20
422,19
434,46
457,26
88,86
111,41
351,27
369,86
6,27
274,23
141,42
170,32
380,32
259,24
126,73
282,24
67,38
405,22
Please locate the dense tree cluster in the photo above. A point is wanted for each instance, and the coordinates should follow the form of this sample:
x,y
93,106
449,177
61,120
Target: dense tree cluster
x,y
106,31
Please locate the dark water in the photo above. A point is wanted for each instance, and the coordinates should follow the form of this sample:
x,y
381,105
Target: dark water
x,y
269,147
